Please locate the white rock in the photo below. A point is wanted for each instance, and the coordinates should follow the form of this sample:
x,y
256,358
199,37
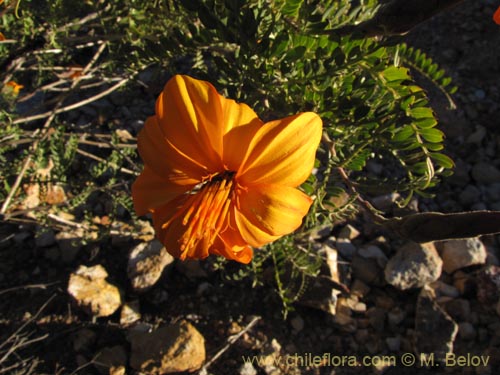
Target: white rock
x,y
457,254
413,266
130,313
91,291
170,348
146,264
247,369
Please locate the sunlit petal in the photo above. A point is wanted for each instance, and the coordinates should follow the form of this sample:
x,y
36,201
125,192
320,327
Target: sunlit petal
x,y
151,190
240,125
267,212
190,115
283,151
158,154
243,255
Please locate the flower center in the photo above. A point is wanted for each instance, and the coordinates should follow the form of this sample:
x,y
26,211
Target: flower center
x,y
206,212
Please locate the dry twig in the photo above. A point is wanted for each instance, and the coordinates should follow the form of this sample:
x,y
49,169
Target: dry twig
x,y
230,341
44,131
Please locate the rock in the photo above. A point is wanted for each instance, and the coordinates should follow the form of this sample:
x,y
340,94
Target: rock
x,y
460,175
146,264
192,269
435,330
395,317
374,252
70,243
345,248
109,357
385,202
485,173
45,237
321,292
297,323
90,290
492,256
393,343
83,339
270,358
466,331
478,136
347,322
367,270
488,285
157,296
493,192
376,317
463,282
413,266
52,253
348,233
321,232
171,348
457,254
459,309
359,288
130,312
442,289
117,370
247,369
204,288
470,195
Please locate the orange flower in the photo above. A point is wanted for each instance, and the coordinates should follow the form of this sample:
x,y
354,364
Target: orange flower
x,y
496,16
14,86
216,178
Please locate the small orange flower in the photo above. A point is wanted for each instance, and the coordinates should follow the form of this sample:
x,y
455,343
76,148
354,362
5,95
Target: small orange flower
x,y
496,16
216,178
14,87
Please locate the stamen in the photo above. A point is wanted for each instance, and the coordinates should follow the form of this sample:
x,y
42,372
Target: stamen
x,y
206,211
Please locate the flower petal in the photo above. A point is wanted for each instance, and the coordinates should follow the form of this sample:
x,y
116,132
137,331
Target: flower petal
x,y
240,125
266,212
150,190
190,114
171,234
232,245
158,154
496,16
282,151
243,255
229,244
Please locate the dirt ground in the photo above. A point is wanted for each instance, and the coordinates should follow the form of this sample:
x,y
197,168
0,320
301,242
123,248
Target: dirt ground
x,y
34,303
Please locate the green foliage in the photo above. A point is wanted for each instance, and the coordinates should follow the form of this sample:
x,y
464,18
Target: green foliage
x,y
294,265
422,64
278,57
